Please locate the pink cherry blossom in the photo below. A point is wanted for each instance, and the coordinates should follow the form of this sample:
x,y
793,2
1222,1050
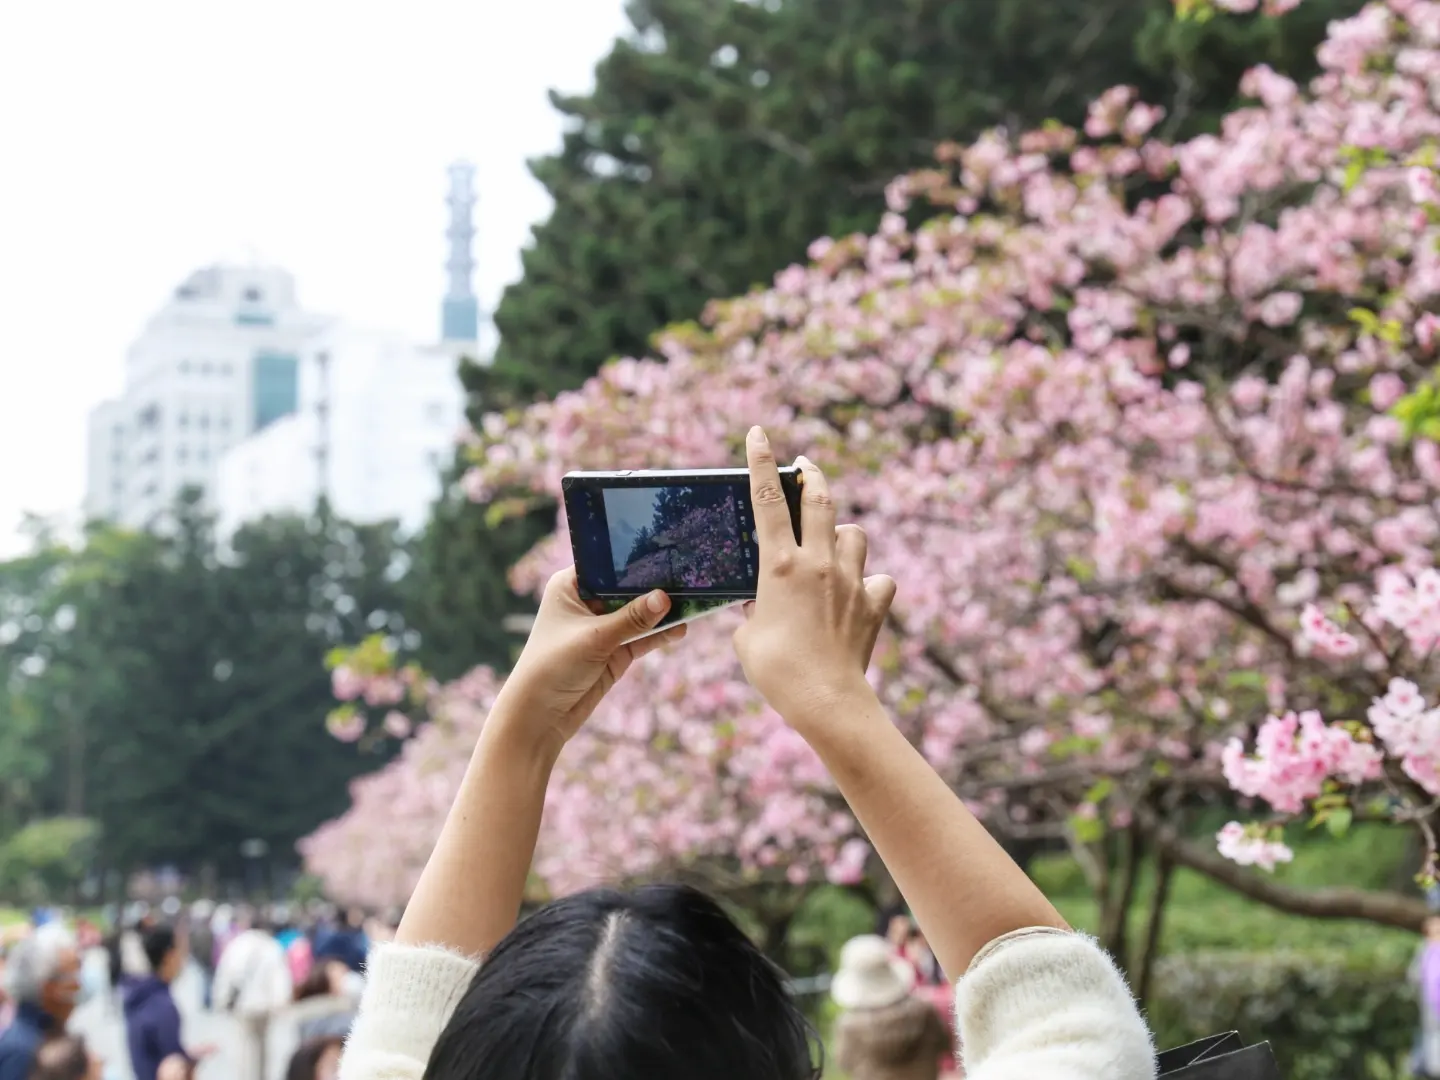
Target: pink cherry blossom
x,y
1249,849
1123,446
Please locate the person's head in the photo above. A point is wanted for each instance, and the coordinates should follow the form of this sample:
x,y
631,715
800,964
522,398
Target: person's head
x,y
605,985
1432,927
316,1059
326,977
43,971
164,951
897,931
66,1058
870,975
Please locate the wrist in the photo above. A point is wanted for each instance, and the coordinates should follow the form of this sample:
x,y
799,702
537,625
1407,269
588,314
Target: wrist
x,y
845,704
516,733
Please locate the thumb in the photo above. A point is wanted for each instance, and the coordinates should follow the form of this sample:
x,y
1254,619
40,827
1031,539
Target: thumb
x,y
881,591
637,617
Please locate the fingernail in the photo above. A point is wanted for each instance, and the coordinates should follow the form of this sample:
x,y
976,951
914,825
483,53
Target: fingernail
x,y
758,434
804,462
656,601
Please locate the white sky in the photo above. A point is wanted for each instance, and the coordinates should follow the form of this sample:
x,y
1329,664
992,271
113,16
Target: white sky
x,y
140,139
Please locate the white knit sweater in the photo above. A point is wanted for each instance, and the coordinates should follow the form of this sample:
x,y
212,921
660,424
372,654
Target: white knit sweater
x,y
1035,1005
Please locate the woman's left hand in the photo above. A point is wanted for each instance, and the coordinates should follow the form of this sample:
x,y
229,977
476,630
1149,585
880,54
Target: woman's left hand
x,y
574,657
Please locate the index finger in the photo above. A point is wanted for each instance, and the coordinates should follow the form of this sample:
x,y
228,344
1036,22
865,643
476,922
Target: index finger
x,y
773,530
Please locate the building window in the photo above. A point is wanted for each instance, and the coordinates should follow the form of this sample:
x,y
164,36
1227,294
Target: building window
x,y
226,369
253,295
204,456
183,420
184,366
435,412
204,421
148,417
205,369
275,390
182,454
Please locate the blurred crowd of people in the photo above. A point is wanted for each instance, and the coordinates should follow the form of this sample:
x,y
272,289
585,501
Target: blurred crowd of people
x,y
281,967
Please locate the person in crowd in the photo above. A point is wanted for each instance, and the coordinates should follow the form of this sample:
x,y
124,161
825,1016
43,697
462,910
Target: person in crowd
x,y
1425,977
346,943
894,925
324,1004
658,981
42,977
152,1022
884,1033
252,984
7,1007
125,950
918,952
66,1057
201,938
316,1059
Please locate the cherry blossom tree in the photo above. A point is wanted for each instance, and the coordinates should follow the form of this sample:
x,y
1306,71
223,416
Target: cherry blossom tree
x,y
1142,430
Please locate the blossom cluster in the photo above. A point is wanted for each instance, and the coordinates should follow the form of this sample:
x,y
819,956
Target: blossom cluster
x,y
1116,416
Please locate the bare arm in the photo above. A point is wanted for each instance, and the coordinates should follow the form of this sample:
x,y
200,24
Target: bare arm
x,y
964,889
469,894
470,891
805,646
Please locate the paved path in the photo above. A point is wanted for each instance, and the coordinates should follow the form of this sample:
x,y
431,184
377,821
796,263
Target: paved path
x,y
104,1030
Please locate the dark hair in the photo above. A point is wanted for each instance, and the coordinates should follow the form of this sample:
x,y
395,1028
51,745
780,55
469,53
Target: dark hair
x,y
306,1059
158,942
63,1058
316,983
610,985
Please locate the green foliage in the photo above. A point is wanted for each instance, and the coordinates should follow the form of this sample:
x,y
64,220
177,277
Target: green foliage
x,y
1419,411
1327,1014
175,693
46,856
829,917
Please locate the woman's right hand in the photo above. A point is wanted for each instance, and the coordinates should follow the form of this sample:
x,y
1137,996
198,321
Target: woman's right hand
x,y
812,626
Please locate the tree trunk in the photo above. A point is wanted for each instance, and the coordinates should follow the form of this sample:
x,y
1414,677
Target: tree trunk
x,y
1142,971
1115,904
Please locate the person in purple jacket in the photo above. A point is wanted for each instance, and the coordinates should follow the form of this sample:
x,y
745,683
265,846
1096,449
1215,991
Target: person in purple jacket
x,y
152,1023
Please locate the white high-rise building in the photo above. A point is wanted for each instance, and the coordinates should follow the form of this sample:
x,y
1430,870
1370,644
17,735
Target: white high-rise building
x,y
373,433
217,363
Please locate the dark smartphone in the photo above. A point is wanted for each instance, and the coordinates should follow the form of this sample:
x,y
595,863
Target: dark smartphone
x,y
691,533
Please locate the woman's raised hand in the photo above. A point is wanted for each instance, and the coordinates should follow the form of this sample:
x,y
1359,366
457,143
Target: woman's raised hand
x,y
574,657
812,626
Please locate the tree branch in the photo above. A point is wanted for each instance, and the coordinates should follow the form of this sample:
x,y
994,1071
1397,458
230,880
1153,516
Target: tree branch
x,y
1384,908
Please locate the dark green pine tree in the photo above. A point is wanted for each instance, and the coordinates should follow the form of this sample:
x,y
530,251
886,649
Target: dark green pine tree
x,y
722,136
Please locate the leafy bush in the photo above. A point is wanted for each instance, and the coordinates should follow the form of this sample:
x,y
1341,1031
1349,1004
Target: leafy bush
x,y
46,857
1328,1014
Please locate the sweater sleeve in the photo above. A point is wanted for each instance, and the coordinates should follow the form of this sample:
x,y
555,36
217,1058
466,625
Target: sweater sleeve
x,y
1047,1003
409,996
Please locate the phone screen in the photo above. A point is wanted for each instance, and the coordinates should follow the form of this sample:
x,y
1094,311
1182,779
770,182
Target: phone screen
x,y
693,536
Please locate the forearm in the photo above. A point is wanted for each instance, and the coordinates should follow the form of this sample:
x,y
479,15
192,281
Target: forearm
x,y
471,889
963,888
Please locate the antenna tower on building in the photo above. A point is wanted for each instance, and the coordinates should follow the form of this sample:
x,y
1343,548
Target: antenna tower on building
x,y
460,312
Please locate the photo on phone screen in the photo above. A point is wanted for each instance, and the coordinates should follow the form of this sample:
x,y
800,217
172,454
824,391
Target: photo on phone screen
x,y
686,533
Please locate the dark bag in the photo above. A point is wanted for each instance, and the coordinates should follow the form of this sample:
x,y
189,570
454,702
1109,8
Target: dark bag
x,y
1220,1057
